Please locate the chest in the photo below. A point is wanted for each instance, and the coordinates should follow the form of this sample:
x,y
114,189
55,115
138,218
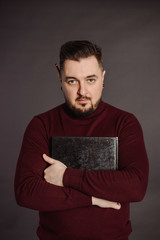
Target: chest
x,y
97,127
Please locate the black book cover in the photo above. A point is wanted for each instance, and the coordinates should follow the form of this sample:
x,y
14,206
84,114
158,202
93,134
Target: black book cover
x,y
92,153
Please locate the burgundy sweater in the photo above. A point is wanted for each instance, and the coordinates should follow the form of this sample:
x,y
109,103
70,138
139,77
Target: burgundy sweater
x,y
67,212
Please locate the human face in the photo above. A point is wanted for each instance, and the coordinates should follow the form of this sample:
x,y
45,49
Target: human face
x,y
82,84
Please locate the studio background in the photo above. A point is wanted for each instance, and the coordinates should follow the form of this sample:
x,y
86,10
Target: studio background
x,y
31,35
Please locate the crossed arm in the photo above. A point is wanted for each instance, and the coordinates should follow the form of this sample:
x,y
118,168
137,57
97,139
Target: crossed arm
x,y
36,189
54,175
31,188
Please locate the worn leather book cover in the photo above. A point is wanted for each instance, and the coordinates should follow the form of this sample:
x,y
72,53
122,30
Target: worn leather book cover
x,y
92,153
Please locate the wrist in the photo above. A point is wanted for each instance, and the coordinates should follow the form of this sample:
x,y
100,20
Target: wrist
x,y
72,178
94,200
63,176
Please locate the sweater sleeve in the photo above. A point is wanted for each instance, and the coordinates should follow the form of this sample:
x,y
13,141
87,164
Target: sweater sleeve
x,y
129,182
31,190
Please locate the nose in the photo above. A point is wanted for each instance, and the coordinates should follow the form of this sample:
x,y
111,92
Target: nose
x,y
82,89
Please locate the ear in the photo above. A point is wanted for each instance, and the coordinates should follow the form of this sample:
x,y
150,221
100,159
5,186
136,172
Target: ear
x,y
59,76
103,74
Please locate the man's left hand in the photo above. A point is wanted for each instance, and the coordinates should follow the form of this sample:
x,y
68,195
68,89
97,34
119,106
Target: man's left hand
x,y
54,173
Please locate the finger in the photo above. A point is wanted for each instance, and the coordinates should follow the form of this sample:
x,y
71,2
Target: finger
x,y
48,159
116,205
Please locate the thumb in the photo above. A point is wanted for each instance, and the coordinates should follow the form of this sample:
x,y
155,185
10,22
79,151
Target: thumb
x,y
48,159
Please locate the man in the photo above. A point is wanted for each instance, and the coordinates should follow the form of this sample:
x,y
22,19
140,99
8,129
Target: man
x,y
73,203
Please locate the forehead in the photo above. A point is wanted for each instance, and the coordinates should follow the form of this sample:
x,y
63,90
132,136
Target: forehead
x,y
83,67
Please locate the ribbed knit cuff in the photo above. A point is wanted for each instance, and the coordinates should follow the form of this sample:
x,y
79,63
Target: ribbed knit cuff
x,y
73,178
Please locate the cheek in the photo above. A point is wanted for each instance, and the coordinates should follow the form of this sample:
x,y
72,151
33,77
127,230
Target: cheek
x,y
97,91
65,89
68,92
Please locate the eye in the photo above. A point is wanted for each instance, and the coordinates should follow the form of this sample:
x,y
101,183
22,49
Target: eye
x,y
71,82
91,80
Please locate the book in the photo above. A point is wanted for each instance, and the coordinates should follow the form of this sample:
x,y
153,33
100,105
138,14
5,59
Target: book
x,y
91,153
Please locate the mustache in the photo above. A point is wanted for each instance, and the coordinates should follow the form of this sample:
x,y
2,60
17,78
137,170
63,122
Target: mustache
x,y
83,97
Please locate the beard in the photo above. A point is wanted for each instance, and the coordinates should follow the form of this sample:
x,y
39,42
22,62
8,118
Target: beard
x,y
82,111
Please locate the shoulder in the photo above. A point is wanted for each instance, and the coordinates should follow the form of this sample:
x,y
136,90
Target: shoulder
x,y
49,115
45,119
121,118
116,111
50,112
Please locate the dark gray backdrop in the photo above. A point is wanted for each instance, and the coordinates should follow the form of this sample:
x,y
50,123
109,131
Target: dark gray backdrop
x,y
31,35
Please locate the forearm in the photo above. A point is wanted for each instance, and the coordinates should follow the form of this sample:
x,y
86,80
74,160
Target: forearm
x,y
105,203
128,184
120,186
39,195
33,192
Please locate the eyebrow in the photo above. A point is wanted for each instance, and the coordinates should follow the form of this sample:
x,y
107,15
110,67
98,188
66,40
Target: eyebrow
x,y
90,76
69,77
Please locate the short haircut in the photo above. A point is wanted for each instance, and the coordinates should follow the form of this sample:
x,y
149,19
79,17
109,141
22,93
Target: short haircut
x,y
75,50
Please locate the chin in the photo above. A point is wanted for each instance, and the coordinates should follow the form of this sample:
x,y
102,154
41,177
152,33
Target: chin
x,y
82,111
84,107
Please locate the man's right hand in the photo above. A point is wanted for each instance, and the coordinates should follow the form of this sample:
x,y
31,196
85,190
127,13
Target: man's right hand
x,y
105,203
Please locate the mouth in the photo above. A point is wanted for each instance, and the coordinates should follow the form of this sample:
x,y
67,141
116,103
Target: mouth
x,y
82,100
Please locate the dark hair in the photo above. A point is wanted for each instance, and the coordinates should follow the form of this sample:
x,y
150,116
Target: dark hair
x,y
75,50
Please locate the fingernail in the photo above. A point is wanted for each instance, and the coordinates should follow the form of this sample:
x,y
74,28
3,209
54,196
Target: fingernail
x,y
119,205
